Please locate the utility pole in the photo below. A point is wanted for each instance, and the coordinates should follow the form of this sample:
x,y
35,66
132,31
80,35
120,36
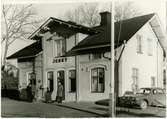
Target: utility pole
x,y
112,82
77,58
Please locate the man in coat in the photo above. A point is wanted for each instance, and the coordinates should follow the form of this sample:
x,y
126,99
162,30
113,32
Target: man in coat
x,y
59,93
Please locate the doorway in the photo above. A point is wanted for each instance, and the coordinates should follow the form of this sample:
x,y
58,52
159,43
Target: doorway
x,y
50,80
60,77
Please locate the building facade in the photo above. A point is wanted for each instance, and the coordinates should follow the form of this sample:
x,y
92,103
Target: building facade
x,y
79,58
139,60
57,67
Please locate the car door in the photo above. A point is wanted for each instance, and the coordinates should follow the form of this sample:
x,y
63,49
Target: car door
x,y
159,97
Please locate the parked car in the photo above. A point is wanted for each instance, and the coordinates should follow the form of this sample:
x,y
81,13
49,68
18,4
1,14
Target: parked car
x,y
143,98
105,102
128,93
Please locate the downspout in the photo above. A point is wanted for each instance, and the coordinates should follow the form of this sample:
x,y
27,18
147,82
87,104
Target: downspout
x,y
108,58
118,62
116,69
33,66
121,51
42,73
43,66
33,71
157,63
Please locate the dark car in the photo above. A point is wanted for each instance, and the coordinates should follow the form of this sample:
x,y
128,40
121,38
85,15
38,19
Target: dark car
x,y
144,97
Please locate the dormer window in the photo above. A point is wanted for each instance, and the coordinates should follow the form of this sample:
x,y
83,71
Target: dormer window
x,y
60,47
139,44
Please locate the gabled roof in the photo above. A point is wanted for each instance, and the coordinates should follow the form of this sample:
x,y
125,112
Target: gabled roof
x,y
29,51
61,27
128,28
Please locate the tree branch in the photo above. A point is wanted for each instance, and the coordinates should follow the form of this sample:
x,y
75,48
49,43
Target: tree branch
x,y
18,23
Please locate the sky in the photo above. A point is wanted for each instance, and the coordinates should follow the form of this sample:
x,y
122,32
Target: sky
x,y
57,9
146,6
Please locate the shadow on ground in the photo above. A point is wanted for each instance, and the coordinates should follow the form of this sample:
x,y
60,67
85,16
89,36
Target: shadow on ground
x,y
10,93
83,110
119,113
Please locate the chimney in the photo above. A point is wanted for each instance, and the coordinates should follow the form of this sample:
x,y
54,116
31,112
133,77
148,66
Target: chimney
x,y
106,21
105,18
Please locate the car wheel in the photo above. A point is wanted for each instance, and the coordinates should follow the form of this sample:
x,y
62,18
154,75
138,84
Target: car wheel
x,y
143,104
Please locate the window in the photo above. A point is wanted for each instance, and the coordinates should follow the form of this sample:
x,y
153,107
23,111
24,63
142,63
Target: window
x,y
31,78
72,80
60,47
164,56
97,79
150,49
60,77
164,78
152,81
139,43
50,80
144,91
135,78
158,91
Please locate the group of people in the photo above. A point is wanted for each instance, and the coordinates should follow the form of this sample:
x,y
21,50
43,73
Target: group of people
x,y
59,97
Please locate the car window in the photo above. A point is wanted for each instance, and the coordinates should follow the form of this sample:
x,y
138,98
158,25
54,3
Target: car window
x,y
158,91
144,91
128,93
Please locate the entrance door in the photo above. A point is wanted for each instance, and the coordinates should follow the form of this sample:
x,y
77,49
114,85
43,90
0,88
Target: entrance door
x,y
50,81
60,77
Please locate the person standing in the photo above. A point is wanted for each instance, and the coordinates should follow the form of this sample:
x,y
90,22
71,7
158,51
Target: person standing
x,y
48,96
29,93
59,93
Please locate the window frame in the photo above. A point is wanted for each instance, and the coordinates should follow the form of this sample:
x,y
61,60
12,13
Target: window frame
x,y
57,47
153,83
149,46
28,81
48,80
139,44
135,78
69,81
158,91
97,68
164,77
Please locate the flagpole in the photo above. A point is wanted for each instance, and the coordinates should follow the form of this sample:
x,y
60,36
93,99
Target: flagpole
x,y
112,82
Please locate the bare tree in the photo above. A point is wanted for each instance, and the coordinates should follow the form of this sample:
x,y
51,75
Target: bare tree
x,y
88,14
85,14
126,10
18,21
